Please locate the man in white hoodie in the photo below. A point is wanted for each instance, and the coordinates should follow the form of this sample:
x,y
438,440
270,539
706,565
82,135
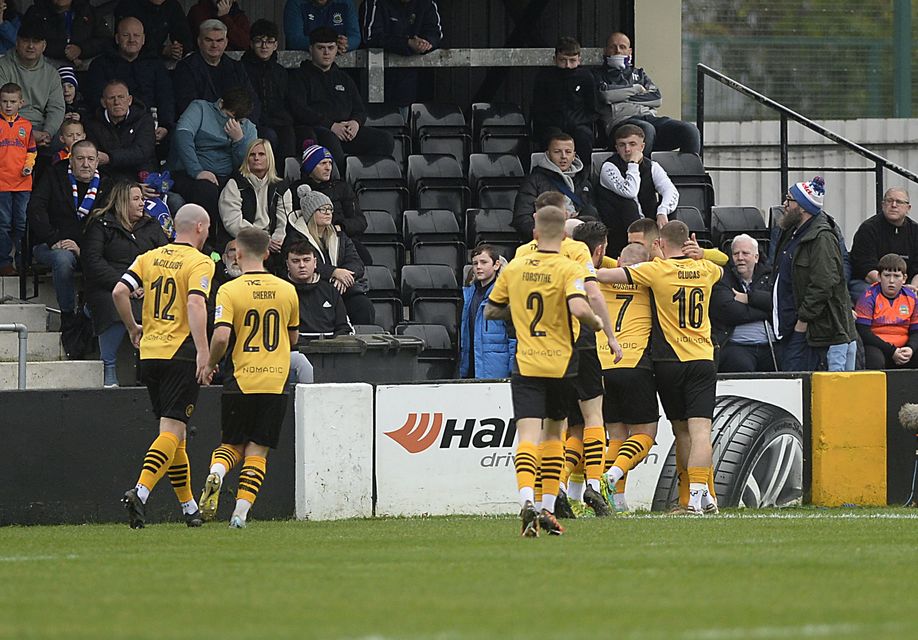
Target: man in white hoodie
x,y
558,169
631,187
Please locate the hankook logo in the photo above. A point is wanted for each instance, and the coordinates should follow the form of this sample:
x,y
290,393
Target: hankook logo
x,y
421,430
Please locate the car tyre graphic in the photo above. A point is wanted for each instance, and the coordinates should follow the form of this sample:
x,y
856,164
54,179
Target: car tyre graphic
x,y
758,457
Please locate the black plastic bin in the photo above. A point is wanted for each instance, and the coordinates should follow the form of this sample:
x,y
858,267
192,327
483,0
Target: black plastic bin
x,y
365,358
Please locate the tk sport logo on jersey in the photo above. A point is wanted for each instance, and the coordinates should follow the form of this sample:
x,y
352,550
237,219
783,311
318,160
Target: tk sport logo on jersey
x,y
422,430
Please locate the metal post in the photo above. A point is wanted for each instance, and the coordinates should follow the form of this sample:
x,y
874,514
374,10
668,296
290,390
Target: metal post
x,y
699,107
879,173
23,332
784,153
902,58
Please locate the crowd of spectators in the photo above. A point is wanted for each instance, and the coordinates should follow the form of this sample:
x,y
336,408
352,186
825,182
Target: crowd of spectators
x,y
158,103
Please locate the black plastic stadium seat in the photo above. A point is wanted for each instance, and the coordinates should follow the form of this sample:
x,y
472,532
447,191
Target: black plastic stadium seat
x,y
433,296
492,226
439,355
384,296
695,221
383,241
378,182
499,127
494,179
597,159
436,181
729,222
389,118
433,237
440,128
676,163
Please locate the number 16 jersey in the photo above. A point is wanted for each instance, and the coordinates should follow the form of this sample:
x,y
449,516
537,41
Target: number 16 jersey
x,y
261,310
168,275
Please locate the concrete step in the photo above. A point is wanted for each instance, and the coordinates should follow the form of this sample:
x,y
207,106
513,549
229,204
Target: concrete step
x,y
43,346
9,288
33,316
67,374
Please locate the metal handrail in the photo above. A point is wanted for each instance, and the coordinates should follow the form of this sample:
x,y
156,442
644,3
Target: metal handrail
x,y
23,332
786,113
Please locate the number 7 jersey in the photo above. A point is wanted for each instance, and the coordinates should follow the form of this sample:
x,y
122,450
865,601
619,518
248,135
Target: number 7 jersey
x,y
168,275
681,290
261,310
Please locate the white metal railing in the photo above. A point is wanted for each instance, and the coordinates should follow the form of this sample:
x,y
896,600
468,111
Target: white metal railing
x,y
23,332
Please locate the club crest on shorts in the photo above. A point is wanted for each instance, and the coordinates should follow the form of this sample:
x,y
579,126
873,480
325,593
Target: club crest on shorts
x,y
189,410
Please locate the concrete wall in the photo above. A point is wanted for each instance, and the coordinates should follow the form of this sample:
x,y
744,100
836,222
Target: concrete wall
x,y
657,34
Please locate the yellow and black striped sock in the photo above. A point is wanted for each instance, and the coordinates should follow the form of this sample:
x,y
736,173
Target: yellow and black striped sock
x,y
538,475
711,483
226,455
573,457
682,475
180,474
251,476
594,440
158,458
612,447
551,464
526,462
632,451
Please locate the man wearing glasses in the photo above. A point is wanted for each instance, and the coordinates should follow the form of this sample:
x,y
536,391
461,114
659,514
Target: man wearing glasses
x,y
812,311
890,231
270,81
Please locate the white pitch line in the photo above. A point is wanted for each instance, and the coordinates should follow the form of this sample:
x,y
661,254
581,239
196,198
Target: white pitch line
x,y
803,631
787,516
70,556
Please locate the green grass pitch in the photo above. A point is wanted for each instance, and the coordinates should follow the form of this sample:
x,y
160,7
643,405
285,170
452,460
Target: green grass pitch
x,y
806,573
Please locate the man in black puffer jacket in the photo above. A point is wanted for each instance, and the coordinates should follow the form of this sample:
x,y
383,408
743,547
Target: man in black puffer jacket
x,y
558,169
123,131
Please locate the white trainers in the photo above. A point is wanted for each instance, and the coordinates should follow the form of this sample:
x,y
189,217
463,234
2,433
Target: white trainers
x,y
694,505
237,523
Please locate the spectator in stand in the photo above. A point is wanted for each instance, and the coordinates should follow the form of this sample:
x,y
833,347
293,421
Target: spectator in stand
x,y
145,76
626,93
325,99
564,98
271,82
408,28
10,19
632,186
887,318
558,169
62,201
302,17
40,82
486,349
338,260
317,174
890,231
74,30
255,196
71,132
123,130
322,310
227,12
741,311
115,234
75,106
208,72
812,309
17,160
211,140
165,25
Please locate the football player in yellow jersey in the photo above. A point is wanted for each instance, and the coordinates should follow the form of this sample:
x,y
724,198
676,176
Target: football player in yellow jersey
x,y
256,318
586,435
174,281
630,408
682,350
542,291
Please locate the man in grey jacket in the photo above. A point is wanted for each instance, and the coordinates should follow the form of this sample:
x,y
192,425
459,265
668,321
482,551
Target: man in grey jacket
x,y
558,169
627,94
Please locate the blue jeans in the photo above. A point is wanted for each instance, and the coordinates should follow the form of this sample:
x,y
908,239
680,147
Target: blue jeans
x,y
842,357
797,355
12,224
63,264
109,341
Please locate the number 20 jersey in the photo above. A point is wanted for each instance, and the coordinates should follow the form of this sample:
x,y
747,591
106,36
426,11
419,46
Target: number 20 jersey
x,y
168,275
537,287
681,293
261,310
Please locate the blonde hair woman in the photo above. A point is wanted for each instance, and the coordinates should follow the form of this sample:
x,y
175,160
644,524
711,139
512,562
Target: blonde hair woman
x,y
115,234
255,196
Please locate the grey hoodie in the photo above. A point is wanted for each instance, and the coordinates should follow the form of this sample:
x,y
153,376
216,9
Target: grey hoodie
x,y
41,90
541,160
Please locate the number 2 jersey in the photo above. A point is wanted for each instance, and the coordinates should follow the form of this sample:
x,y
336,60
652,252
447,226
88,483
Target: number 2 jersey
x,y
261,310
537,287
168,275
681,290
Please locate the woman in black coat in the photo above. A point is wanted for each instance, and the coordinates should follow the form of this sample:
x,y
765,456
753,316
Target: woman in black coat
x,y
115,235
